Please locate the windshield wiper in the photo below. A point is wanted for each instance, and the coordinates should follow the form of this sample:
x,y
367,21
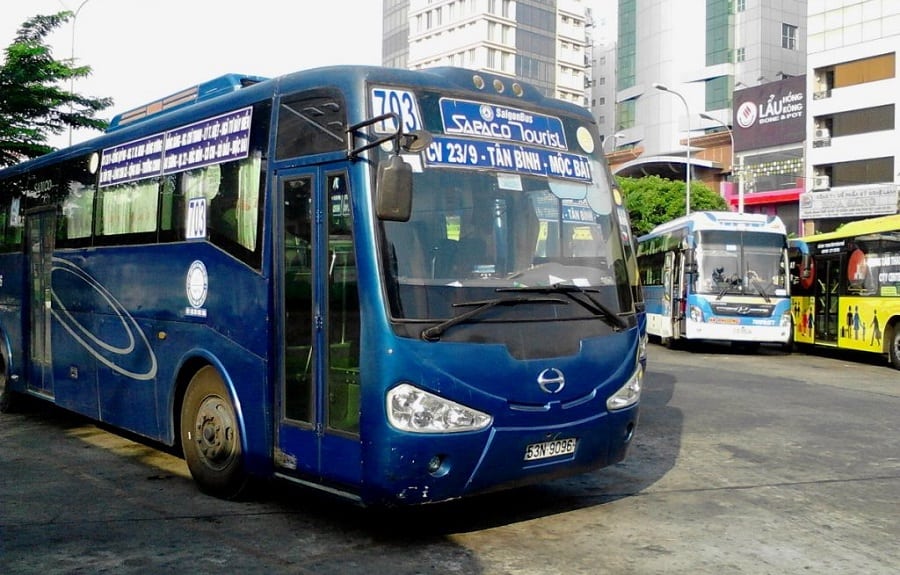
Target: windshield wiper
x,y
733,282
434,333
754,280
569,290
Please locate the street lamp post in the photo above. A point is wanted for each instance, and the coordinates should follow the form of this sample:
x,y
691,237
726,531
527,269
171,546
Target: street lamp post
x,y
72,57
738,176
687,171
613,138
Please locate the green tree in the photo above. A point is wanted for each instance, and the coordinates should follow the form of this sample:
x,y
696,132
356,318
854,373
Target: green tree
x,y
35,100
652,200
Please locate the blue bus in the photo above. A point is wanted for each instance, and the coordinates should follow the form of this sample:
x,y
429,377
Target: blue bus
x,y
399,287
717,276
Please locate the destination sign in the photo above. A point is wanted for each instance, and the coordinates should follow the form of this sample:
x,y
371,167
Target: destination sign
x,y
212,141
481,120
459,152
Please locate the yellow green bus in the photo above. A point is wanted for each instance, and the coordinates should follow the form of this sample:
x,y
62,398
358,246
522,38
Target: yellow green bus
x,y
845,289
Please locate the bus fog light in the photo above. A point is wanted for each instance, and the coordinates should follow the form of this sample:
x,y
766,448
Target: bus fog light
x,y
412,409
628,394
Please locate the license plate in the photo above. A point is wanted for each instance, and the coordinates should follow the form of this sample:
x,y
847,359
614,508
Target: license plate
x,y
553,448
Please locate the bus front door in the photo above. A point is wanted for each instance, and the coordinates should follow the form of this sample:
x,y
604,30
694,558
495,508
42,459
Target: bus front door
x,y
318,419
40,238
828,282
671,299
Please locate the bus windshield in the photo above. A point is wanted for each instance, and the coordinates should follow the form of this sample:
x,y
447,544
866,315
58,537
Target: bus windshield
x,y
750,263
478,234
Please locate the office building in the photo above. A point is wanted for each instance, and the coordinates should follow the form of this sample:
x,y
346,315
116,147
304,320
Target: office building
x,y
544,42
699,53
853,148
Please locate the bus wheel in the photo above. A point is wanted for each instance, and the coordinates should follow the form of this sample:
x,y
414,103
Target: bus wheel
x,y
8,399
669,342
211,438
745,346
894,349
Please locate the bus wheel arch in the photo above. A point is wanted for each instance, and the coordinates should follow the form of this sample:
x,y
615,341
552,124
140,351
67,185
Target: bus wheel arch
x,y
8,398
210,433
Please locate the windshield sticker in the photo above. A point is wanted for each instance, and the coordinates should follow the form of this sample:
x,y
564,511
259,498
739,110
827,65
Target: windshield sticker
x,y
510,182
457,152
478,120
577,212
212,141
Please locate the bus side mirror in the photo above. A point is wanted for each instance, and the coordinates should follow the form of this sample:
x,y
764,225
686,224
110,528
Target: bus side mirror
x,y
690,262
393,190
801,260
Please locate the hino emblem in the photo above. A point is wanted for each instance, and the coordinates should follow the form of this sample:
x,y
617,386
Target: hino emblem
x,y
551,380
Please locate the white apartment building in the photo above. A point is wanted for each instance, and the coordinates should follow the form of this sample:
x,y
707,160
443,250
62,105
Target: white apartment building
x,y
853,148
543,42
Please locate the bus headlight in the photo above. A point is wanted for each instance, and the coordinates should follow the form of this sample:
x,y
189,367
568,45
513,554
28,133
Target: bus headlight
x,y
786,319
412,409
696,314
628,394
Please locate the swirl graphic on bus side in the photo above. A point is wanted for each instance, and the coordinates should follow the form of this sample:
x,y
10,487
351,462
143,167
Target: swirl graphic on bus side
x,y
91,342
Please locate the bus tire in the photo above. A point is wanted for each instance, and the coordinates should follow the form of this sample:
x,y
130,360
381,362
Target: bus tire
x,y
745,346
8,398
211,436
894,346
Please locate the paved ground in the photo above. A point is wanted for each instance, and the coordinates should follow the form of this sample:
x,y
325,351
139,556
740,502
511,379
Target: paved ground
x,y
766,463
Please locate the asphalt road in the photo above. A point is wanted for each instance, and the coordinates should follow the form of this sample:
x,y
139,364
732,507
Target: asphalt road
x,y
742,463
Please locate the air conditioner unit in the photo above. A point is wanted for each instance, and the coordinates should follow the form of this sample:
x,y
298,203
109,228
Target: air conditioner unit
x,y
821,183
821,134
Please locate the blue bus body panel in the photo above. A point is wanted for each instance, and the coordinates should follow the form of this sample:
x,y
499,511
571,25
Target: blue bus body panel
x,y
117,324
522,413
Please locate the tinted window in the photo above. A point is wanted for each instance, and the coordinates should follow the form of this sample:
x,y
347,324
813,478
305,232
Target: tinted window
x,y
311,123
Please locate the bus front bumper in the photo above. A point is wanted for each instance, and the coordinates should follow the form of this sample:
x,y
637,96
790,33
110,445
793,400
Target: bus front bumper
x,y
430,469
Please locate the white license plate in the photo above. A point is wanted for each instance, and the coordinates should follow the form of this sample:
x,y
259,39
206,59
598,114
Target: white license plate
x,y
553,448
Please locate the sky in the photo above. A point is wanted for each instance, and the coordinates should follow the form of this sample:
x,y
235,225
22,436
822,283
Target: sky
x,y
141,50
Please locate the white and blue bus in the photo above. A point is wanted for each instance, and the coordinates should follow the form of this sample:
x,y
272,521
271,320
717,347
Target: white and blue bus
x,y
398,287
717,276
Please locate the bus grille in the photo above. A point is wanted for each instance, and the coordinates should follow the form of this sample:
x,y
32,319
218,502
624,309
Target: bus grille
x,y
743,310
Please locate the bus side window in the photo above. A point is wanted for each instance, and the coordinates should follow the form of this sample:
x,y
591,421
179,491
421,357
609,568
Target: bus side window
x,y
11,223
76,216
223,205
235,207
343,312
171,211
311,122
